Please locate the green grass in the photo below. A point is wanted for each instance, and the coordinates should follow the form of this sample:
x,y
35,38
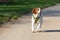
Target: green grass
x,y
21,7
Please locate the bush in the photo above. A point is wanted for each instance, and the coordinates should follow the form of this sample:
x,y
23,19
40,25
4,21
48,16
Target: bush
x,y
14,17
5,17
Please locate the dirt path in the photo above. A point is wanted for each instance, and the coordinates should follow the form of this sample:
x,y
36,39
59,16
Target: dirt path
x,y
21,30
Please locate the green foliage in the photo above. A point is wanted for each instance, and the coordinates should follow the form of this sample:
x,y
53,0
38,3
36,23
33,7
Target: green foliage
x,y
23,2
3,18
14,17
16,8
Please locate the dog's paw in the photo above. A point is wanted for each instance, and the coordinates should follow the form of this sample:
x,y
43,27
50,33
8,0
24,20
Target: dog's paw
x,y
38,30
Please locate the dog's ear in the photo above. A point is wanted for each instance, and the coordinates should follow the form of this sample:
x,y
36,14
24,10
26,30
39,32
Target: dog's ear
x,y
38,10
34,10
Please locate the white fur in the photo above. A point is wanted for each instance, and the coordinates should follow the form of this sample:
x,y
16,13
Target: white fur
x,y
39,10
37,25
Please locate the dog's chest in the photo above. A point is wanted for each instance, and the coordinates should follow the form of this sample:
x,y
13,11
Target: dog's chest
x,y
36,17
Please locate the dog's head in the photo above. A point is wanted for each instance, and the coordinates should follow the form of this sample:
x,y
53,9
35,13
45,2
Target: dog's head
x,y
36,10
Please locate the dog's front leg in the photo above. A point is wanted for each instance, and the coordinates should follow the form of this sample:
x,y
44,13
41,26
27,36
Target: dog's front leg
x,y
40,23
33,24
38,27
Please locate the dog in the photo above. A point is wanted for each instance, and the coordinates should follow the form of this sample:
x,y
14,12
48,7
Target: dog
x,y
36,19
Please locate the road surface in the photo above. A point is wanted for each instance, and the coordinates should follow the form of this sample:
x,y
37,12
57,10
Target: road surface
x,y
21,30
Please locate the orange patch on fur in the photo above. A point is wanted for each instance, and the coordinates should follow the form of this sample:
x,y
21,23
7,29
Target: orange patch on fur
x,y
35,10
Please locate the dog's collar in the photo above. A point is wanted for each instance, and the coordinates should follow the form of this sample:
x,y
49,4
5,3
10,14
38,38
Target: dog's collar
x,y
36,19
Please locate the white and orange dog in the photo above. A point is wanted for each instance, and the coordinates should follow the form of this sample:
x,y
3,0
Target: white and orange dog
x,y
36,19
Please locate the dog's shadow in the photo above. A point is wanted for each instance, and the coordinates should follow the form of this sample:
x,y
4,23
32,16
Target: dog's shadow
x,y
49,31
